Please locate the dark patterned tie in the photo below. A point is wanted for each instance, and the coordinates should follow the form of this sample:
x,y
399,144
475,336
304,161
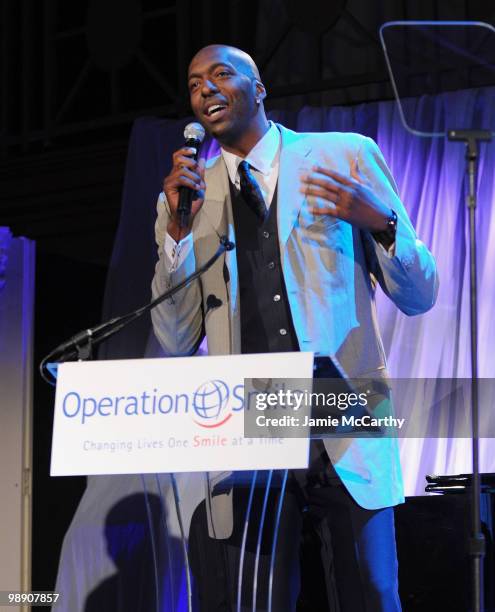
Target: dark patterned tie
x,y
251,191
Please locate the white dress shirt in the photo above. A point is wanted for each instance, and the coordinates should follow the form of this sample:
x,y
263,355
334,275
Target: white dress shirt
x,y
264,159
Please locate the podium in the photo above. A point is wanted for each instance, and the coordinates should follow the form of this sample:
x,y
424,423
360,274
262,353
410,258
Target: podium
x,y
165,419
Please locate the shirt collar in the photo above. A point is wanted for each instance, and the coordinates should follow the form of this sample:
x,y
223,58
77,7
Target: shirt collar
x,y
262,157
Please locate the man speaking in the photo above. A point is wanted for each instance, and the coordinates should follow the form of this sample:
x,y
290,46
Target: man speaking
x,y
317,224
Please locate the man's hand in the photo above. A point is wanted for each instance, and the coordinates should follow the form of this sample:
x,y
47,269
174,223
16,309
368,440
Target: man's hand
x,y
349,198
186,172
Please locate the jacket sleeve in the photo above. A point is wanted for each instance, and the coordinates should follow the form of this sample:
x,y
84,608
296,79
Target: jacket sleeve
x,y
407,274
178,321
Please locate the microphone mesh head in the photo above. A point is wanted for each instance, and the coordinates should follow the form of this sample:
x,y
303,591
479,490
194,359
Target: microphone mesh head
x,y
194,131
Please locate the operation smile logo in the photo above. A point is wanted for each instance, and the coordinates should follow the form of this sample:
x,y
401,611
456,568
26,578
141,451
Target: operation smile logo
x,y
210,403
210,406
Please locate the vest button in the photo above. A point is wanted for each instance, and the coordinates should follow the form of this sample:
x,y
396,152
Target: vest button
x,y
271,265
276,298
283,332
266,234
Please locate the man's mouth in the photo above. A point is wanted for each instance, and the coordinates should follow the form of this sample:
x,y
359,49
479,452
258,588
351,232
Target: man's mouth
x,y
215,111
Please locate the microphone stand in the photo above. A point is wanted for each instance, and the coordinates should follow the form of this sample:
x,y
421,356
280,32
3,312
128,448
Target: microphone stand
x,y
476,547
80,346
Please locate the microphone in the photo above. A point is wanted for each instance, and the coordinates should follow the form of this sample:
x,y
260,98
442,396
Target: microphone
x,y
194,134
212,302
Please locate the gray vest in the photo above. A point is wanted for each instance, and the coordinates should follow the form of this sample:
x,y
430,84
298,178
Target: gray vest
x,y
266,320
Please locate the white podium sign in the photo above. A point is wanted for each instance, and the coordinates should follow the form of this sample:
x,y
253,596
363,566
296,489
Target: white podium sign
x,y
168,415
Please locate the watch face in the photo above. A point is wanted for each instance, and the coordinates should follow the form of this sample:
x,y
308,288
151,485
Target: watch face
x,y
392,222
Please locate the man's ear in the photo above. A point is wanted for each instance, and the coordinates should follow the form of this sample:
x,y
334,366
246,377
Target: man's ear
x,y
260,91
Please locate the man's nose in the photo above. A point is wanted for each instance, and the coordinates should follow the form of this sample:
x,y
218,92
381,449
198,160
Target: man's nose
x,y
208,88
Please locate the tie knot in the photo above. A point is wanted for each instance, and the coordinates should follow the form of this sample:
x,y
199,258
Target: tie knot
x,y
244,168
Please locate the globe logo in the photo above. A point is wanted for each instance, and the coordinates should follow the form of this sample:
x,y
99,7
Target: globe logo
x,y
209,401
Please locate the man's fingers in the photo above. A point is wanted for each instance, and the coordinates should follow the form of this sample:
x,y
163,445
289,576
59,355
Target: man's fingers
x,y
184,179
186,152
191,172
327,210
318,192
336,176
194,176
329,185
185,162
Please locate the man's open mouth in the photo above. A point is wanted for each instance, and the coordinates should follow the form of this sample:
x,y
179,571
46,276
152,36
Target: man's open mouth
x,y
215,110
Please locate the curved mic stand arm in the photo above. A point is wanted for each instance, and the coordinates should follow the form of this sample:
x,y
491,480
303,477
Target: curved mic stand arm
x,y
80,346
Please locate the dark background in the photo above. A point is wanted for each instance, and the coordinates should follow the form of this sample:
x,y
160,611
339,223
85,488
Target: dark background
x,y
76,73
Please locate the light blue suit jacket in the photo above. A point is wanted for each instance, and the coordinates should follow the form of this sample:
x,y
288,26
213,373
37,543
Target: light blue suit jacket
x,y
330,269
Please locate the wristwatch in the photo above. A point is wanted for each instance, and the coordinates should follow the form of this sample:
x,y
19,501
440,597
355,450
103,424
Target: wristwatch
x,y
387,236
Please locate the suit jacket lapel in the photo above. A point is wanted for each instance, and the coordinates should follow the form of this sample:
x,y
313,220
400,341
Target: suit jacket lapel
x,y
217,209
293,162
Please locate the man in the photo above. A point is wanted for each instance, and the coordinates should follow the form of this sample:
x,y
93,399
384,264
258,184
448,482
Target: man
x,y
317,223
